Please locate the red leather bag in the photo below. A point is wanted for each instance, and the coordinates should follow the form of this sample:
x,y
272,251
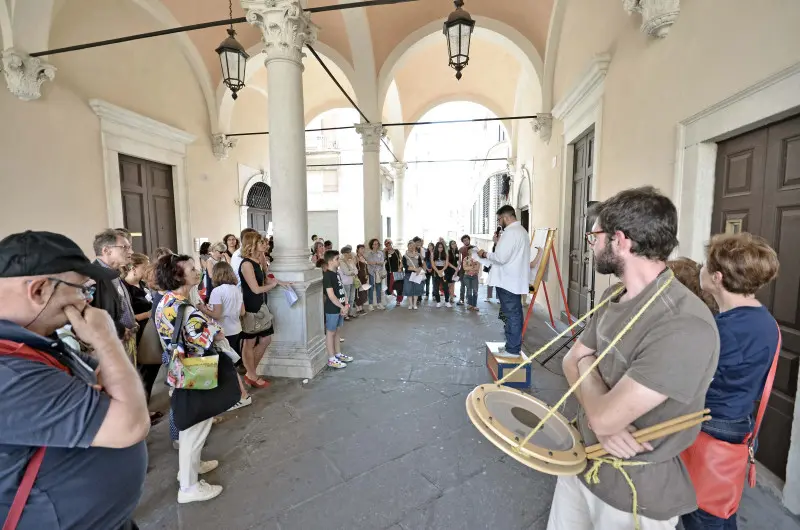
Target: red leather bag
x,y
719,469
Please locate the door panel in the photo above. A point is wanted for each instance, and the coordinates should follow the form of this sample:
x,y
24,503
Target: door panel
x,y
148,204
580,271
758,184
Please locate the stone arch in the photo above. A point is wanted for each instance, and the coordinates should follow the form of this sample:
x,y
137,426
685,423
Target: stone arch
x,y
224,101
551,53
524,197
490,29
6,26
165,18
30,25
450,98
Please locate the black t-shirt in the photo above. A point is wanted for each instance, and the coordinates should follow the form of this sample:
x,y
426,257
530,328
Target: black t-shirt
x,y
332,280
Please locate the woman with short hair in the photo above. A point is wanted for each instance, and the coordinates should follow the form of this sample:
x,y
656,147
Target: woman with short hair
x,y
737,266
178,275
376,262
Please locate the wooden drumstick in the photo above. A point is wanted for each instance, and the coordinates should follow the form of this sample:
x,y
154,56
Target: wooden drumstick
x,y
656,427
654,435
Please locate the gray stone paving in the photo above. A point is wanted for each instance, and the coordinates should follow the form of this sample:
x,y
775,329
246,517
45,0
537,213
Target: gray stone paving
x,y
382,444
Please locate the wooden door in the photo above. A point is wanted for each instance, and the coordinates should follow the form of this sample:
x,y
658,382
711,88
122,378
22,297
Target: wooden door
x,y
259,219
758,191
148,204
580,272
524,218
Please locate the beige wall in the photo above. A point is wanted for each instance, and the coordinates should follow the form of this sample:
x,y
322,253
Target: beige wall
x,y
716,48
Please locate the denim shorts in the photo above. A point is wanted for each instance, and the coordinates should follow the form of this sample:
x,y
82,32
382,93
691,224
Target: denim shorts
x,y
333,322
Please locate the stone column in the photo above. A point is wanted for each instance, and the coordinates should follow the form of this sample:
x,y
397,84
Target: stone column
x,y
298,346
371,134
399,237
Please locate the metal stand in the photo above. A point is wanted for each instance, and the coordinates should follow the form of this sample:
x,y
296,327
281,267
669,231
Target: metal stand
x,y
566,343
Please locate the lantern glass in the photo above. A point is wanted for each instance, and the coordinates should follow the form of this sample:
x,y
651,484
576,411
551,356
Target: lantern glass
x,y
233,61
458,30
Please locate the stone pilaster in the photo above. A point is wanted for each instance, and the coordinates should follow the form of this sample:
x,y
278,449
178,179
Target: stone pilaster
x,y
25,74
298,346
399,200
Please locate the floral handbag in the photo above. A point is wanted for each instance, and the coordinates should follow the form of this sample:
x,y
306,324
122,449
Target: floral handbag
x,y
190,373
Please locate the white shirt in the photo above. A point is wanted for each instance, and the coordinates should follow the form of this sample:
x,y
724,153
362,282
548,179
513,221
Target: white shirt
x,y
231,300
511,260
236,262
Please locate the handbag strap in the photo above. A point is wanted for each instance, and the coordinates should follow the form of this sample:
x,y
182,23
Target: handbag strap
x,y
178,326
762,406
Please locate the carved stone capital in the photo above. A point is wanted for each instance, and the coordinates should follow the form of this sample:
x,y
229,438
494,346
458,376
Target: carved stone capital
x,y
511,162
371,135
657,15
543,125
399,169
285,27
222,145
25,74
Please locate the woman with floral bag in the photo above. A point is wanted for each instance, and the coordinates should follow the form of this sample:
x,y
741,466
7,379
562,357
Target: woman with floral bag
x,y
198,395
737,266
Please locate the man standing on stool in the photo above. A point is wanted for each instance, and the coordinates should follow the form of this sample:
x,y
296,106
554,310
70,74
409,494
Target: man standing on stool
x,y
510,268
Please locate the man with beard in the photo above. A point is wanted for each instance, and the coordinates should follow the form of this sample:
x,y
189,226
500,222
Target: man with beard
x,y
660,370
510,267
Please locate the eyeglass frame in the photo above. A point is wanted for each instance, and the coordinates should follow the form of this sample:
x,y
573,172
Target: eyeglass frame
x,y
87,291
591,237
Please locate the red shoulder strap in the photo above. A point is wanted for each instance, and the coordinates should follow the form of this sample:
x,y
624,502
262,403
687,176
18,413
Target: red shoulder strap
x,y
16,349
762,406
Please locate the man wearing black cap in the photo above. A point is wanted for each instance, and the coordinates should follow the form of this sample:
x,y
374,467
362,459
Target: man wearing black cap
x,y
62,411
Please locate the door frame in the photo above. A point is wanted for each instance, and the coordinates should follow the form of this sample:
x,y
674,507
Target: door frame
x,y
579,110
129,133
768,101
251,177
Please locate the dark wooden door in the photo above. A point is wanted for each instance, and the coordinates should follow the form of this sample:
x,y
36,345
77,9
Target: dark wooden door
x,y
524,217
148,204
758,191
580,267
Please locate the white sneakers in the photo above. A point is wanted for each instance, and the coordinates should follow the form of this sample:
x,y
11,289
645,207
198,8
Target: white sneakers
x,y
381,306
438,304
202,491
241,403
448,304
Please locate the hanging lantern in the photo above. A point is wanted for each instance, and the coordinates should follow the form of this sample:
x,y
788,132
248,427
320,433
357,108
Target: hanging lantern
x,y
233,60
458,30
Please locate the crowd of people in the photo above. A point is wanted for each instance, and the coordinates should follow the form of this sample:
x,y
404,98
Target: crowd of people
x,y
74,333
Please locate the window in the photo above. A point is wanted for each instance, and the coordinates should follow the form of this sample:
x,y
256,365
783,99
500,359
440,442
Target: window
x,y
260,196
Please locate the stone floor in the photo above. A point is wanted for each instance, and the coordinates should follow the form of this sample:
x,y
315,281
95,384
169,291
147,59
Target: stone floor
x,y
383,444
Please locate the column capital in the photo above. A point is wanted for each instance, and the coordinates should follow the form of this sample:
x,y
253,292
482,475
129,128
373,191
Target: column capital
x,y
658,16
543,125
25,74
399,169
371,135
285,27
222,144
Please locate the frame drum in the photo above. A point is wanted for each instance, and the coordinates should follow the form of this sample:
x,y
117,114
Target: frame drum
x,y
505,416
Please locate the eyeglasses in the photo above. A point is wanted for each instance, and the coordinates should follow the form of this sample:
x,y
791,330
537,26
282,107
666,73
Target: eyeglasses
x,y
87,290
123,247
591,237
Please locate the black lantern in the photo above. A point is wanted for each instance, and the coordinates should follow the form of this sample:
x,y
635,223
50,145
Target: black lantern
x,y
458,30
233,60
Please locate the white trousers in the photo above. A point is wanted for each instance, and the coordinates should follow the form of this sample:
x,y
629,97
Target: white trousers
x,y
191,441
576,508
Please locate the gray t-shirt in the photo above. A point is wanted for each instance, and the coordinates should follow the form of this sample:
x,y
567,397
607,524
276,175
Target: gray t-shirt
x,y
672,349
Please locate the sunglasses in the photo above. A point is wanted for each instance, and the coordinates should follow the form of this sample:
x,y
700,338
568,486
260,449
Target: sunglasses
x,y
87,291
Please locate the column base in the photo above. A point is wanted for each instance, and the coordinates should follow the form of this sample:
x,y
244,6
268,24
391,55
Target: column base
x,y
298,345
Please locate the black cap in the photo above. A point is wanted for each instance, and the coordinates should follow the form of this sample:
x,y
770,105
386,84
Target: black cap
x,y
41,253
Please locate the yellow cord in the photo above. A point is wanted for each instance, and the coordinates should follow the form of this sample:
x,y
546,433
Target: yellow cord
x,y
527,360
592,477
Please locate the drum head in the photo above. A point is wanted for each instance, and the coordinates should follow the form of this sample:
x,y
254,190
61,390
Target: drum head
x,y
512,414
532,462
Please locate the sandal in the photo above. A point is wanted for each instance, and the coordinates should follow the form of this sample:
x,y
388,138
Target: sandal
x,y
259,383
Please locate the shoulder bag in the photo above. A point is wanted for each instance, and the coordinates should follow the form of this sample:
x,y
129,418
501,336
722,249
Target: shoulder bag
x,y
719,469
149,349
255,323
195,373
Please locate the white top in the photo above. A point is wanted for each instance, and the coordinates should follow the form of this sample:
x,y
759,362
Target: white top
x,y
511,260
231,300
236,262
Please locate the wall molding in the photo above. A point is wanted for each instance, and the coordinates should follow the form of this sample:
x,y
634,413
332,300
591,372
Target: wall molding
x,y
584,90
125,132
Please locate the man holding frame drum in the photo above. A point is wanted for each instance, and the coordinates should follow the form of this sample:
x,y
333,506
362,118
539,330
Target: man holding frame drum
x,y
661,369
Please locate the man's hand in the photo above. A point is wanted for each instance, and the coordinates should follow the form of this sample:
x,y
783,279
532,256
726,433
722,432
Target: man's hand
x,y
482,253
623,444
94,326
345,309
